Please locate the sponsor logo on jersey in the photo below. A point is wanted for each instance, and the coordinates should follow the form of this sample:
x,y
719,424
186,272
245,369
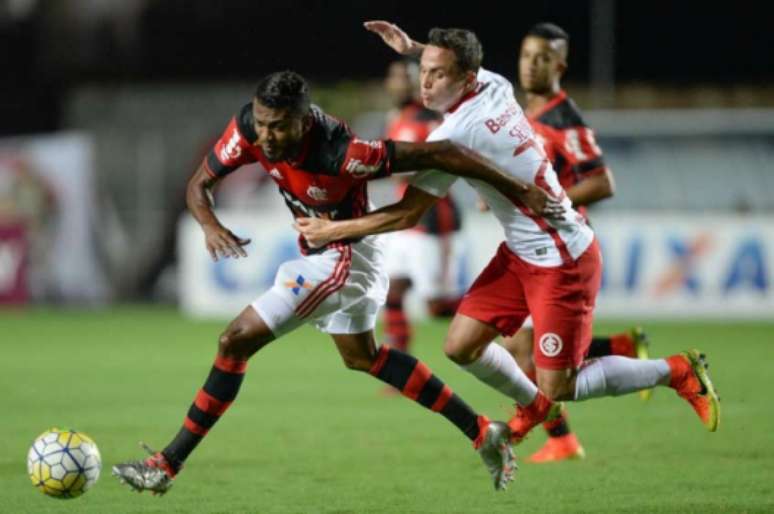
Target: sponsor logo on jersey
x,y
231,150
298,284
376,144
550,344
358,168
317,193
304,209
274,172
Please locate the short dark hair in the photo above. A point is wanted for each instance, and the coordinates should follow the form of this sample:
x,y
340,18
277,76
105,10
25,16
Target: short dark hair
x,y
549,31
284,90
464,44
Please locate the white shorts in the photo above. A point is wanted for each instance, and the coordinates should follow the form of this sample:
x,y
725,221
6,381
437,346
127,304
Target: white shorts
x,y
339,291
432,262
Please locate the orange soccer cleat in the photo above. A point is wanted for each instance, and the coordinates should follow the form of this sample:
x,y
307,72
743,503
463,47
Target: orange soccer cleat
x,y
541,409
563,447
692,382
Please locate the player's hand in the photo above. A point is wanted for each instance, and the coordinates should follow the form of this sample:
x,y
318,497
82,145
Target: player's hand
x,y
542,203
393,36
221,242
317,231
482,205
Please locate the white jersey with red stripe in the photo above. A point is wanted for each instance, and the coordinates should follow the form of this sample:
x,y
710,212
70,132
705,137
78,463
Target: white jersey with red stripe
x,y
491,122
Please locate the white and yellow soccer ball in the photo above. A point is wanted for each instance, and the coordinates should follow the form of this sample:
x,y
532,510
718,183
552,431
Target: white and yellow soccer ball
x,y
63,463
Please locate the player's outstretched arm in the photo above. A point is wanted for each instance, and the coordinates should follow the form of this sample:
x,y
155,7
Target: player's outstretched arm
x,y
592,189
459,160
398,216
394,37
220,241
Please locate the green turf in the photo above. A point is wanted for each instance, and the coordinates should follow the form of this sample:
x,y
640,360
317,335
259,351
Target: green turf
x,y
308,436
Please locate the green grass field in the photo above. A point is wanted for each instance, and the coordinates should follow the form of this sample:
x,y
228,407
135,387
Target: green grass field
x,y
308,436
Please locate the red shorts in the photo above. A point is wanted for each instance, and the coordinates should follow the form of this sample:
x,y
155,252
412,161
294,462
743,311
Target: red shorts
x,y
560,300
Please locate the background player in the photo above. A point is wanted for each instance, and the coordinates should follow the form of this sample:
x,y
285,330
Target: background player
x,y
322,170
547,267
422,258
577,159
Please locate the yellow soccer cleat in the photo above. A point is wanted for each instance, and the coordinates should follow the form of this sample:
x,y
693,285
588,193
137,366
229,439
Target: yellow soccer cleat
x,y
642,351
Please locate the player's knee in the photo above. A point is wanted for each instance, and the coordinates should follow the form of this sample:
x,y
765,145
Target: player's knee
x,y
239,341
357,362
557,388
459,352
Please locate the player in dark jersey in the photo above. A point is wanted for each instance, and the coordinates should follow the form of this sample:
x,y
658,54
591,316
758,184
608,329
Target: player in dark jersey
x,y
570,145
422,258
321,169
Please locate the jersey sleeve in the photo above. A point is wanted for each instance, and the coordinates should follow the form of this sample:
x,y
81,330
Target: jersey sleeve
x,y
581,144
367,159
230,151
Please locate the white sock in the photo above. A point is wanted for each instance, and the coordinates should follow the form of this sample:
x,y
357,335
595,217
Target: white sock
x,y
498,369
614,375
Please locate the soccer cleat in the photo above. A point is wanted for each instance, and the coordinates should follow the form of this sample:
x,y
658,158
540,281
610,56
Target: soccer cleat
x,y
692,382
642,351
493,445
152,474
541,409
564,447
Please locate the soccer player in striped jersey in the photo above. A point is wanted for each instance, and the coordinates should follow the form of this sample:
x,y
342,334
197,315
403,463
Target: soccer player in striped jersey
x,y
578,161
321,169
549,267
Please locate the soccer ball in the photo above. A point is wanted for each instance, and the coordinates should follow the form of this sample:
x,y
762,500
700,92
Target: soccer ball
x,y
63,463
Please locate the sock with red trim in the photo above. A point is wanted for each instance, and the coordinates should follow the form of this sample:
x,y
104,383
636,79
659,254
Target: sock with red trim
x,y
617,344
211,401
397,329
416,381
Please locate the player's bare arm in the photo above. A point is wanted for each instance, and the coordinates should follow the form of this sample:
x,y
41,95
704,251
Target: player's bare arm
x,y
394,37
220,241
456,159
592,189
398,216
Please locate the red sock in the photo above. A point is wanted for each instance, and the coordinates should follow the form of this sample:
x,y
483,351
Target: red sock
x,y
622,344
397,330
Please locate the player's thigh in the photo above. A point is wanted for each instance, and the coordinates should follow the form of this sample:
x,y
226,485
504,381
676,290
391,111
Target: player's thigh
x,y
304,289
561,303
467,338
497,297
520,346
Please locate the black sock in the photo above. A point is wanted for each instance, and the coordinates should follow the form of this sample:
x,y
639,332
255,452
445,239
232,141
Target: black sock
x,y
211,402
415,381
599,347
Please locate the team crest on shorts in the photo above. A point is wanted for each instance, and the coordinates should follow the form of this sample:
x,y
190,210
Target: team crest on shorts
x,y
550,344
298,284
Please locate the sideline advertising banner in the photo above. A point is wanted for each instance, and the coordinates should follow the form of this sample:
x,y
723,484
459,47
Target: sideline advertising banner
x,y
668,265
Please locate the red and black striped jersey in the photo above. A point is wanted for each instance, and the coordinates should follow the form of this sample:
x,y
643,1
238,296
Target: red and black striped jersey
x,y
568,141
327,179
413,123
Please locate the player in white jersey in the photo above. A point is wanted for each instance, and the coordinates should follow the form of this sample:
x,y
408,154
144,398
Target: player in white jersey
x,y
549,267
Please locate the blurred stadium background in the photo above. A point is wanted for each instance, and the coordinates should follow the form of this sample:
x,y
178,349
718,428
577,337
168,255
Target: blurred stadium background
x,y
106,107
